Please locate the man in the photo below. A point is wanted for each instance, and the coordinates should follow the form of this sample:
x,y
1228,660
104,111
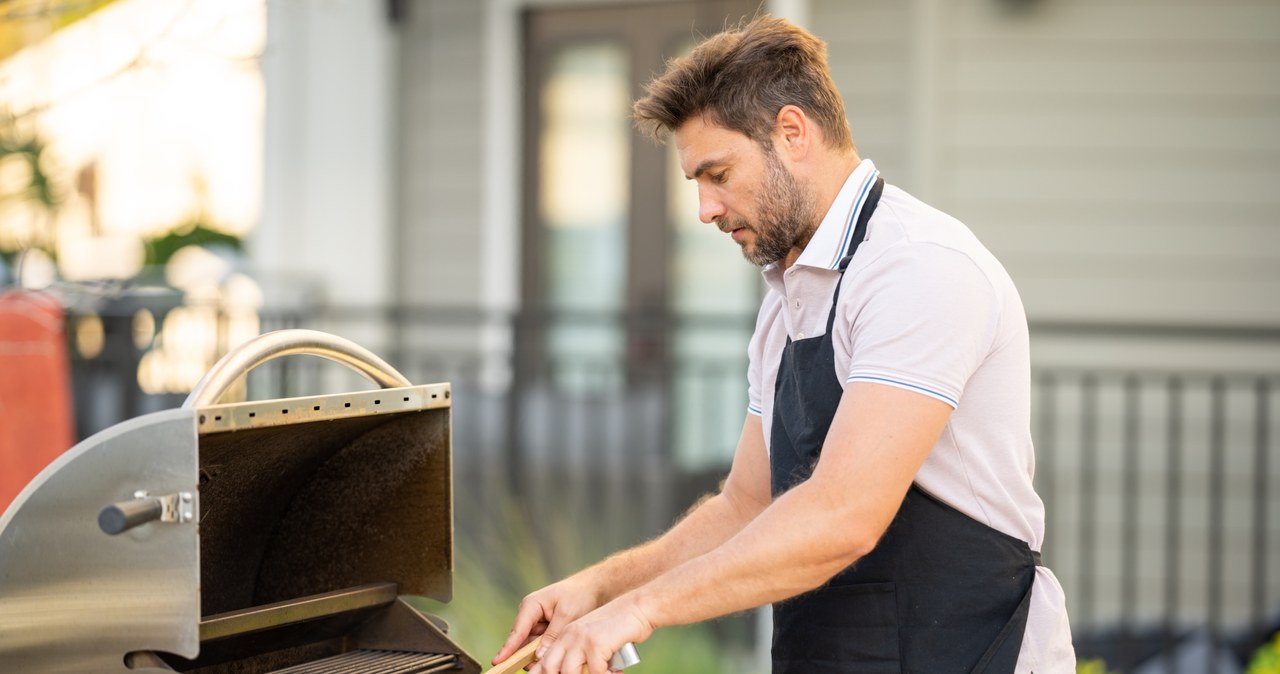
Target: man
x,y
881,494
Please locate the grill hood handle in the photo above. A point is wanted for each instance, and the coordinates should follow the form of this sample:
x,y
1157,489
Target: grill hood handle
x,y
280,343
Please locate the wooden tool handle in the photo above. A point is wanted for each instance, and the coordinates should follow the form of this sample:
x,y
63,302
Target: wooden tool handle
x,y
518,660
521,659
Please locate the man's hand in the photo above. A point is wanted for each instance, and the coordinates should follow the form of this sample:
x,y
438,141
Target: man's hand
x,y
586,644
547,612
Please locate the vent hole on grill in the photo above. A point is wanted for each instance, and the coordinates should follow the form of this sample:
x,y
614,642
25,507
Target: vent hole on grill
x,y
406,398
284,411
346,404
377,402
218,418
202,418
253,414
446,394
316,408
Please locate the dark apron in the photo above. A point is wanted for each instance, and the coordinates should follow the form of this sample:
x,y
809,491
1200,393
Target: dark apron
x,y
941,592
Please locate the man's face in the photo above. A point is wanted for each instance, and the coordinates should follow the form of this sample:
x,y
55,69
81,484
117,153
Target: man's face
x,y
746,191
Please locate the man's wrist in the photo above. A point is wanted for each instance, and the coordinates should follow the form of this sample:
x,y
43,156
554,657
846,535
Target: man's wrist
x,y
645,608
596,580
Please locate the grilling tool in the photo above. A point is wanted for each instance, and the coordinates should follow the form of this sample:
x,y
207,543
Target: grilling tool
x,y
625,657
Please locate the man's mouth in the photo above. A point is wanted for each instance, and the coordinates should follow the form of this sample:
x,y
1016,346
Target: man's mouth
x,y
735,230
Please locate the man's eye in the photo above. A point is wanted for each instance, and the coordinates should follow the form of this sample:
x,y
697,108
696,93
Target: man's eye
x,y
718,178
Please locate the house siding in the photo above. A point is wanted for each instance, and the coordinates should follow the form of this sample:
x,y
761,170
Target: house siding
x,y
1120,157
441,81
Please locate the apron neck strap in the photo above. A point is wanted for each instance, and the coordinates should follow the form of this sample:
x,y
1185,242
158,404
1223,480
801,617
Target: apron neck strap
x,y
859,233
860,229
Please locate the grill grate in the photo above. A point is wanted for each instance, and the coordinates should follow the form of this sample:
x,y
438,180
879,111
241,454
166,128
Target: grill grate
x,y
377,662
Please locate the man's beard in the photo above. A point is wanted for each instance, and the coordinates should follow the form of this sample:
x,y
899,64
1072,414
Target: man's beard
x,y
786,215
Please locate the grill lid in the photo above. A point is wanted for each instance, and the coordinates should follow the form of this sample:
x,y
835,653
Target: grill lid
x,y
310,495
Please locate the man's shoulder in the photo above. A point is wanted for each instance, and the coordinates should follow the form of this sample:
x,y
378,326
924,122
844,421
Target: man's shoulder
x,y
914,221
908,232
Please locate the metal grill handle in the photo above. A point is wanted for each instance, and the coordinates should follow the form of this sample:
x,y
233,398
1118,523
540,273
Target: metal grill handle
x,y
280,343
120,517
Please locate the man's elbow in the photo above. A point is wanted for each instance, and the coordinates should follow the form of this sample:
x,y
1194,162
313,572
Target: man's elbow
x,y
853,531
840,551
854,545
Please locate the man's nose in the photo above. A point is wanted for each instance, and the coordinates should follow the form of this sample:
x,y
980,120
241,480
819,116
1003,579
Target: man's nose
x,y
710,208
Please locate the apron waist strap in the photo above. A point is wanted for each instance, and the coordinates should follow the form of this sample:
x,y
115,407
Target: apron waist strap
x,y
1002,654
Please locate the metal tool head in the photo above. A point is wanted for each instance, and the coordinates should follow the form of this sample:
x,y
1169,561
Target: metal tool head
x,y
624,658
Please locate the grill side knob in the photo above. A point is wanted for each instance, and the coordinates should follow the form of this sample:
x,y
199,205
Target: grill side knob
x,y
120,517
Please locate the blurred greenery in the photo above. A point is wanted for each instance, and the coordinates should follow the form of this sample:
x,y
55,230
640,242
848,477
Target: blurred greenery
x,y
161,248
38,188
498,563
29,149
1092,667
1267,659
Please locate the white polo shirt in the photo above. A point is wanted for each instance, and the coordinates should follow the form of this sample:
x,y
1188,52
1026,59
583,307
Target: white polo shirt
x,y
925,307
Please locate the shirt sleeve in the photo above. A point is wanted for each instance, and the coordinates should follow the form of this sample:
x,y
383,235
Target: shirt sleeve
x,y
755,404
924,318
755,355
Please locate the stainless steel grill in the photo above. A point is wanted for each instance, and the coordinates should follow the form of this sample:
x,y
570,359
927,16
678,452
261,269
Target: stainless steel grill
x,y
269,536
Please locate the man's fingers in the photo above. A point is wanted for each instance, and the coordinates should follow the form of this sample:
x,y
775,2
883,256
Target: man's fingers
x,y
514,641
555,630
529,616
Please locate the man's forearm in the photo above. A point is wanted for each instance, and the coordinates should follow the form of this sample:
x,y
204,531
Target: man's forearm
x,y
710,523
787,550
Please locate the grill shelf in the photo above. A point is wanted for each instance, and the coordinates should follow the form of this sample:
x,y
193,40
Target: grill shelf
x,y
377,662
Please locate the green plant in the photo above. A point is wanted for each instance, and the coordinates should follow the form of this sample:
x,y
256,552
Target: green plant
x,y
196,233
23,154
1266,660
1096,666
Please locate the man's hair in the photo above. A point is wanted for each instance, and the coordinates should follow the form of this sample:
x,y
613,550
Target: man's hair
x,y
740,78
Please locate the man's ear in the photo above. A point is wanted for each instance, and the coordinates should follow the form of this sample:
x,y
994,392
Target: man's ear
x,y
792,132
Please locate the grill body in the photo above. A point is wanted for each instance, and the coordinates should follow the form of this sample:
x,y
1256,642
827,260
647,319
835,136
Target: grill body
x,y
290,533
73,599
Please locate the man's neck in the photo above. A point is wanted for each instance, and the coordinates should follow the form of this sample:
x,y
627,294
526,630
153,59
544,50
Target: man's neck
x,y
829,177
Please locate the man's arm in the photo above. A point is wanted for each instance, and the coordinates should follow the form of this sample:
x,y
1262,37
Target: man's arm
x,y
878,440
710,523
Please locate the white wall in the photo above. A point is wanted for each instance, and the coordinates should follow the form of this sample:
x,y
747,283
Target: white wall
x,y
328,202
441,153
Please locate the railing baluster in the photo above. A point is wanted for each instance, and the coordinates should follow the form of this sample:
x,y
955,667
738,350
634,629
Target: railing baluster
x,y
1261,480
1173,498
1088,493
1217,448
1129,531
709,418
1046,457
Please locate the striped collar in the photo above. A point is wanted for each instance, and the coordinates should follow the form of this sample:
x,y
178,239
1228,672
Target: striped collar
x,y
831,241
